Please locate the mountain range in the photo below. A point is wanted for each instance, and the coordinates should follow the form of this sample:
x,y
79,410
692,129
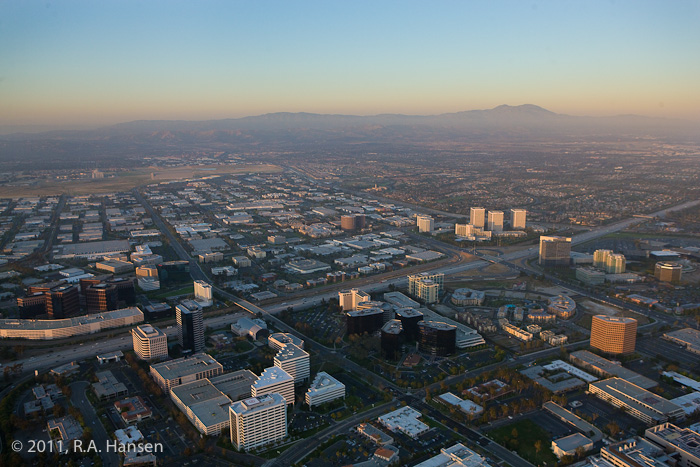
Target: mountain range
x,y
526,123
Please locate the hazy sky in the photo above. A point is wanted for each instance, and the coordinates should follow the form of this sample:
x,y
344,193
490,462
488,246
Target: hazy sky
x,y
102,61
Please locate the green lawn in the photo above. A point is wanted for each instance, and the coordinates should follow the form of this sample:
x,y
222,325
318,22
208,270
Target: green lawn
x,y
521,436
188,289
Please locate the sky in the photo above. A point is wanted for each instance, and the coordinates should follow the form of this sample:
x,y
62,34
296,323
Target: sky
x,y
91,62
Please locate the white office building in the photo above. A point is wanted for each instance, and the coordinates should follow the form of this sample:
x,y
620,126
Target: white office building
x,y
294,361
517,218
274,380
258,421
349,299
150,343
324,388
425,223
477,217
495,221
203,293
464,230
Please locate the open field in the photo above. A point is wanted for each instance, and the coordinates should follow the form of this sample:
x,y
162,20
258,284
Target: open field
x,y
124,181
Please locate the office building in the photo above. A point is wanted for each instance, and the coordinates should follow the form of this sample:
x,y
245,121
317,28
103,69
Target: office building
x,y
668,271
425,286
615,264
324,388
562,306
636,401
413,279
600,258
495,221
409,317
279,340
174,272
41,329
455,456
100,297
477,217
349,299
206,402
590,276
428,290
274,380
437,338
683,442
391,339
468,297
425,223
518,219
61,301
613,335
554,251
203,293
258,421
150,343
294,361
570,445
185,370
190,326
634,452
464,230
32,305
364,321
687,337
352,222
606,368
404,420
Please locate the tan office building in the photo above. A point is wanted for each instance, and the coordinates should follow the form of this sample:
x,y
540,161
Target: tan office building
x,y
614,335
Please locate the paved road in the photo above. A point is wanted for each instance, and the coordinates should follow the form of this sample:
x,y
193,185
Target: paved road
x,y
79,399
305,447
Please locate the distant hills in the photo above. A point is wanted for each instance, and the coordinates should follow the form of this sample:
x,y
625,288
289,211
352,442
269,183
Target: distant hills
x,y
298,131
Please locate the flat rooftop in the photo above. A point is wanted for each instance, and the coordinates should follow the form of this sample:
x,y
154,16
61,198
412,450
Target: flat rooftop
x,y
324,382
272,375
612,368
365,312
42,324
290,352
185,366
257,403
393,326
641,399
437,325
408,312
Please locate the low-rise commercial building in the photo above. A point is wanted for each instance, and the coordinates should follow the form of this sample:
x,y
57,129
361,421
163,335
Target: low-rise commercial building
x,y
636,401
62,328
324,388
404,420
185,370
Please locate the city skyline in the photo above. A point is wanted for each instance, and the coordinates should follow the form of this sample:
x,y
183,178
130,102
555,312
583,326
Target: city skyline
x,y
92,64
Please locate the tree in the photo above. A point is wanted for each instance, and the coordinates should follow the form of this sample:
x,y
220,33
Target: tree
x,y
538,448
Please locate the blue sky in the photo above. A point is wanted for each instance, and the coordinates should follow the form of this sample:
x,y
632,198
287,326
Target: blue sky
x,y
98,62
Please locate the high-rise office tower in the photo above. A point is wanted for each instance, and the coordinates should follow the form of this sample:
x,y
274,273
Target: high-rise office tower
x,y
495,221
517,218
613,334
258,421
477,217
425,223
190,326
555,251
